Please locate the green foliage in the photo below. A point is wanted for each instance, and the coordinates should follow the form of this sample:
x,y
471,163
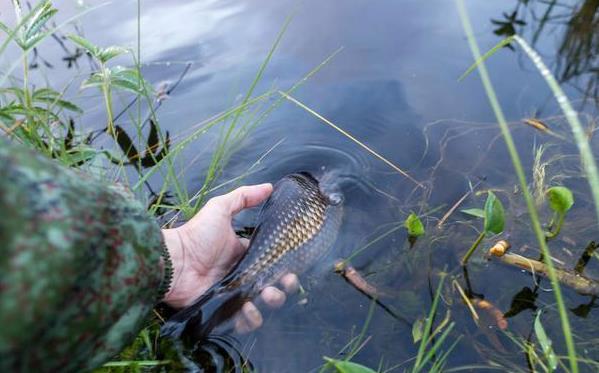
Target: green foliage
x,y
560,199
586,155
494,214
545,342
430,357
478,213
28,31
103,55
342,366
414,225
418,330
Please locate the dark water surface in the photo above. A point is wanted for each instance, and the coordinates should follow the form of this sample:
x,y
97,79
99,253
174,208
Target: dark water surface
x,y
394,86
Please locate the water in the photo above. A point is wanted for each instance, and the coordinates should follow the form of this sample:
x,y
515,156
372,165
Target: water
x,y
394,86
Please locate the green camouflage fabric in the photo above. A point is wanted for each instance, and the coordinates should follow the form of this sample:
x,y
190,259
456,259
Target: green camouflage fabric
x,y
80,266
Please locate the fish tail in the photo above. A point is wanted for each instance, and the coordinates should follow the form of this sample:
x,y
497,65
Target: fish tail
x,y
212,309
175,326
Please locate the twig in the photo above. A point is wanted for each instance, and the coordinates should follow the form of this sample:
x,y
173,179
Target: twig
x,y
581,284
354,278
456,205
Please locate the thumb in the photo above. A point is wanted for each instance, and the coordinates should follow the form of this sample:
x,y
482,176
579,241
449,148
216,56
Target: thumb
x,y
244,197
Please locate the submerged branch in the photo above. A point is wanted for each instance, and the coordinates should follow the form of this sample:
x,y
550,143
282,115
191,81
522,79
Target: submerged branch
x,y
583,285
354,278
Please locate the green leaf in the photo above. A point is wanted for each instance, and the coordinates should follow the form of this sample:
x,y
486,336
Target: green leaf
x,y
479,213
418,330
128,79
50,96
560,199
96,80
85,44
494,215
80,155
343,366
414,225
106,54
38,20
545,343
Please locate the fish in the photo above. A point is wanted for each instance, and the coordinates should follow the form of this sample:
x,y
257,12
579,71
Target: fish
x,y
297,227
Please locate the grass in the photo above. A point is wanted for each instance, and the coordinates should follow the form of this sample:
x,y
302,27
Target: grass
x,y
41,118
581,141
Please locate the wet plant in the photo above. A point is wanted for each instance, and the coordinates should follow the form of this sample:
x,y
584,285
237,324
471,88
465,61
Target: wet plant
x,y
560,201
494,220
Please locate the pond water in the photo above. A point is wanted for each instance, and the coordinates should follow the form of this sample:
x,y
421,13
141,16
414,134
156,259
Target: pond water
x,y
394,86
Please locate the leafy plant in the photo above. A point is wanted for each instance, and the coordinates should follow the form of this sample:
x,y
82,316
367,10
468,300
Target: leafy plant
x,y
430,358
494,220
560,201
106,78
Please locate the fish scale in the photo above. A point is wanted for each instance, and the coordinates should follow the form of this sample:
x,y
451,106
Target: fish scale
x,y
297,226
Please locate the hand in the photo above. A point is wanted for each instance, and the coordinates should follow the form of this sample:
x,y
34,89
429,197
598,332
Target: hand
x,y
205,248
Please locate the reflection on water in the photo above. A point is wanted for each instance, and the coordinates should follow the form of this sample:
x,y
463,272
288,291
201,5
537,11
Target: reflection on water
x,y
394,87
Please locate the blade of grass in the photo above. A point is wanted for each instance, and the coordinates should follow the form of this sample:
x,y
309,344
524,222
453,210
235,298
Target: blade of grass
x,y
352,138
517,164
485,56
586,155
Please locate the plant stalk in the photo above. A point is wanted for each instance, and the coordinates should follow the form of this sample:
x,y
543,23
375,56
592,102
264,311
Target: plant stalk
x,y
473,248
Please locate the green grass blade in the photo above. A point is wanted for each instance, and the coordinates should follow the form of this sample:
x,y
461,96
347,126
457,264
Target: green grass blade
x,y
586,155
517,164
485,56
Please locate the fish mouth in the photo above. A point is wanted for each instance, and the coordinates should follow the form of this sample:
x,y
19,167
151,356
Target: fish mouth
x,y
327,185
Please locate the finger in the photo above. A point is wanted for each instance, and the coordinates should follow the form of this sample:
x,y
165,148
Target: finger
x,y
273,297
244,197
290,283
244,242
249,319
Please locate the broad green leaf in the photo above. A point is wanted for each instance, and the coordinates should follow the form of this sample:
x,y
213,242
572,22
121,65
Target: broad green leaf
x,y
106,54
414,225
560,199
494,215
343,366
545,343
418,330
479,213
85,44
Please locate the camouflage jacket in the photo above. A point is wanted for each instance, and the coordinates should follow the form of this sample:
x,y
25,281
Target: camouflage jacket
x,y
80,265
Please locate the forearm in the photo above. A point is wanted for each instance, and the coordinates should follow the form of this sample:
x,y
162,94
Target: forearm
x,y
80,265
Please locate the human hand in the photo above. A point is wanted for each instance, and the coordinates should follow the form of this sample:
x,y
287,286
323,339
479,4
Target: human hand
x,y
204,249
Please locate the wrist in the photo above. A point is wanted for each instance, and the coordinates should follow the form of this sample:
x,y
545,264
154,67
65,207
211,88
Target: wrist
x,y
174,249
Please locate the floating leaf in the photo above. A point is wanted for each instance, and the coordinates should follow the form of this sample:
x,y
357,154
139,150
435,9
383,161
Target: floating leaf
x,y
479,213
343,366
560,199
545,343
494,215
418,330
414,225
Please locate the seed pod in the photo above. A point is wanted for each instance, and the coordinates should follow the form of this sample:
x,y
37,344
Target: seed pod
x,y
500,248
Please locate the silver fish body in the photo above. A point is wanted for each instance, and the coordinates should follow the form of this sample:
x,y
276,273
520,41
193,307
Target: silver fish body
x,y
297,226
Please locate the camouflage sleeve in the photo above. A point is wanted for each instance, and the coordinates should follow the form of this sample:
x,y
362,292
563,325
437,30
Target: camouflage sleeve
x,y
80,265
